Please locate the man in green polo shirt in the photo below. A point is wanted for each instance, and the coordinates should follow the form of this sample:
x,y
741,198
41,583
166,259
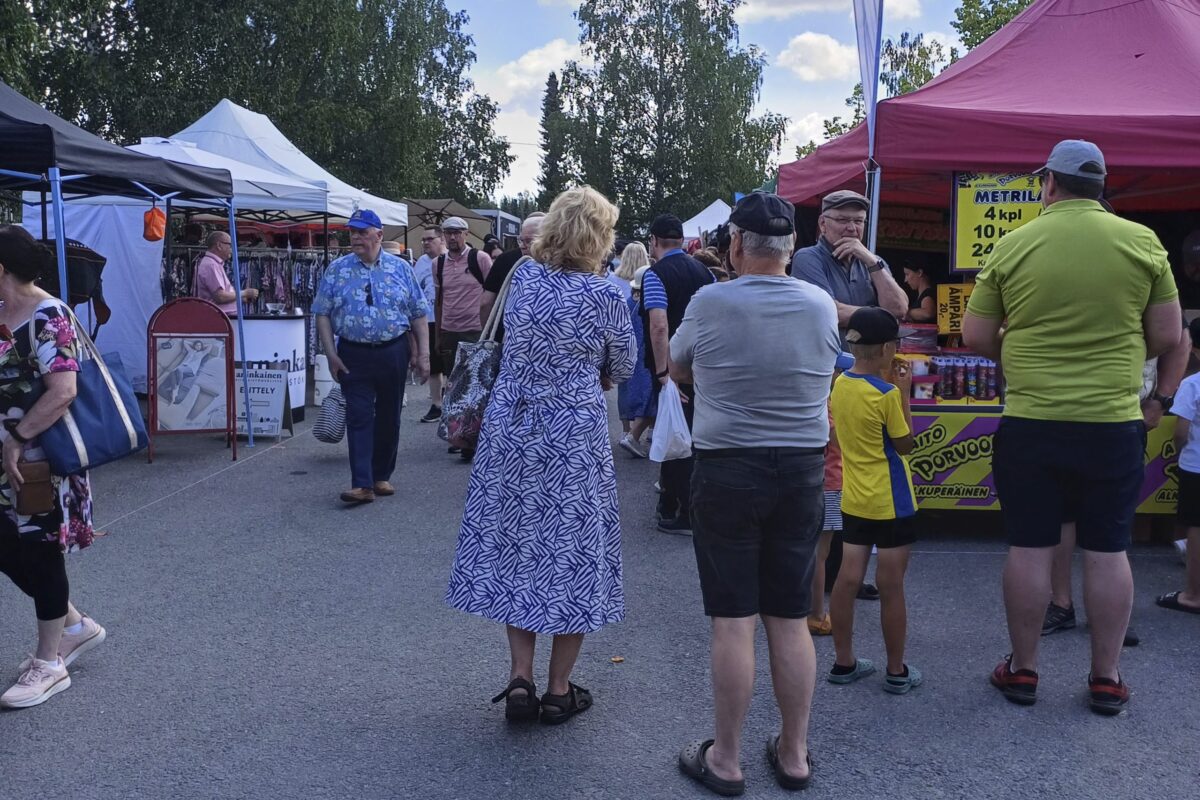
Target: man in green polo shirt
x,y
1073,303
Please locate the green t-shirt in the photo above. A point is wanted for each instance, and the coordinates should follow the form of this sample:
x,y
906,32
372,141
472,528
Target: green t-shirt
x,y
1074,284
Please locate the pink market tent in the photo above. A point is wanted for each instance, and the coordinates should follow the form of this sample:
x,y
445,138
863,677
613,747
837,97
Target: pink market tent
x,y
1121,73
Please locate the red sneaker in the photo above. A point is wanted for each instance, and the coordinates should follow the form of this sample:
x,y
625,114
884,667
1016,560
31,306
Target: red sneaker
x,y
1018,687
1106,696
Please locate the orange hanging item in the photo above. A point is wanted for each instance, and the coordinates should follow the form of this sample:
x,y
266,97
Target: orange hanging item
x,y
155,225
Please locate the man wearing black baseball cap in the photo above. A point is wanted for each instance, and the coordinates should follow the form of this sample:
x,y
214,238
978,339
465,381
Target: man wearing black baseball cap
x,y
842,265
667,288
759,476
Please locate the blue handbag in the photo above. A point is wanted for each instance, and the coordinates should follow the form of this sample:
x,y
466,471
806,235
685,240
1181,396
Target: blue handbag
x,y
103,423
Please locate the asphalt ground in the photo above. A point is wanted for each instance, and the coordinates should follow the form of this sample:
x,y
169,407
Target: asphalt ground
x,y
266,642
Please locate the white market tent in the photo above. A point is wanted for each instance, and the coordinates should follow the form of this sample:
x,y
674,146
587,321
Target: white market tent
x,y
707,220
112,226
244,135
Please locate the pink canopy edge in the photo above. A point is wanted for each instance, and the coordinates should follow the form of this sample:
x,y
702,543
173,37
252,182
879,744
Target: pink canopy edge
x,y
1121,73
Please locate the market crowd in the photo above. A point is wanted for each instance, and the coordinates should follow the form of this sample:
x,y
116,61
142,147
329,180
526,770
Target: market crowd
x,y
786,490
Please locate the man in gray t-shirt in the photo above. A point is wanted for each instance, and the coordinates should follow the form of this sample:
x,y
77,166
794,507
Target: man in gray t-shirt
x,y
761,352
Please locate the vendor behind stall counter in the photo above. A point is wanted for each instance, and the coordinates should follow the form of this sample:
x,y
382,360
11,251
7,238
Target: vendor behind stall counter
x,y
211,283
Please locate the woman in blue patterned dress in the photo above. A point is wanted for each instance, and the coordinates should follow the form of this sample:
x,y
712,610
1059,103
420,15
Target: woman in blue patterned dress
x,y
540,545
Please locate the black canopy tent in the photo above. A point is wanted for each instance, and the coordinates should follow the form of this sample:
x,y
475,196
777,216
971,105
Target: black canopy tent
x,y
41,152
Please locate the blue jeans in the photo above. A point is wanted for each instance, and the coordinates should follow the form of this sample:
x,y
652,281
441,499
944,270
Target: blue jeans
x,y
373,389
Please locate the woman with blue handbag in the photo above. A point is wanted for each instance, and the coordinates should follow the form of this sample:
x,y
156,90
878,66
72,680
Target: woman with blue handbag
x,y
42,516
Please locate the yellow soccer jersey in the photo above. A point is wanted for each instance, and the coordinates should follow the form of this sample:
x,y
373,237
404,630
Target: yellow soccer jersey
x,y
876,481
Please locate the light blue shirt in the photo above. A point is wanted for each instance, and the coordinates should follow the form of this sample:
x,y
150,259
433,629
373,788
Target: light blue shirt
x,y
396,298
423,269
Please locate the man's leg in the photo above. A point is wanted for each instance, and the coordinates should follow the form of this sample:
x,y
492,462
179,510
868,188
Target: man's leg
x,y
733,686
358,390
389,387
794,675
1060,575
1108,597
1026,591
817,614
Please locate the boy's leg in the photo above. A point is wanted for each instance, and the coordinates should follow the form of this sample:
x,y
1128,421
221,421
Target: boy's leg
x,y
794,675
893,613
841,600
817,614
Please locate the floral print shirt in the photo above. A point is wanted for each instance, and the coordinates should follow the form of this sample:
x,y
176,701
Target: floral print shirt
x,y
370,304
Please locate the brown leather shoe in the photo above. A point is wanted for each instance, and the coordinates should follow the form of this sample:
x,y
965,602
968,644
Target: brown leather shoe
x,y
357,496
384,489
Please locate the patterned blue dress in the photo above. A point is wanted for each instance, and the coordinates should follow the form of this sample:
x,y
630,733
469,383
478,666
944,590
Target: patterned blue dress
x,y
540,543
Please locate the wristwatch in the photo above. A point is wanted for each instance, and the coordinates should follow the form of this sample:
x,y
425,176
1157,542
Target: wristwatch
x,y
10,425
877,266
1165,401
664,373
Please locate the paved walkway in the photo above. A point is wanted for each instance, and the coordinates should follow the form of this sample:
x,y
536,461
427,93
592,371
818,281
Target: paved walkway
x,y
266,642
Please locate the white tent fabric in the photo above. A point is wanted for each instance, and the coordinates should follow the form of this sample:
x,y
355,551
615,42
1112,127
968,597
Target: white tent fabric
x,y
132,276
707,220
244,135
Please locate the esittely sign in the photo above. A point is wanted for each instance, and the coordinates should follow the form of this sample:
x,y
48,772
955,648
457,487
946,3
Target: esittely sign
x,y
986,207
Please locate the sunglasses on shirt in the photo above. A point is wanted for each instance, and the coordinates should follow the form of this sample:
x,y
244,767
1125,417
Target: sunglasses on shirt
x,y
370,295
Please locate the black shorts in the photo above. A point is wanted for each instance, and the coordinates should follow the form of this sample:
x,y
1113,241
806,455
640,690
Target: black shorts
x,y
881,533
1187,513
1048,472
756,520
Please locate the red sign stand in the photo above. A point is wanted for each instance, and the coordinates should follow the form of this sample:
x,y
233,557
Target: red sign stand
x,y
190,371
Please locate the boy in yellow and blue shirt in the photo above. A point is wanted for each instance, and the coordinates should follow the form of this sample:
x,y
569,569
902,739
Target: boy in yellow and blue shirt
x,y
878,502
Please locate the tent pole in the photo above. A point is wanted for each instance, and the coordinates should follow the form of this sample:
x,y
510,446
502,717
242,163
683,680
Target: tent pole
x,y
167,239
241,313
326,238
873,193
45,227
60,239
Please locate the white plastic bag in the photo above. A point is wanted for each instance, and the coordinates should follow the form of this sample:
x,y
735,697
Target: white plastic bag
x,y
672,439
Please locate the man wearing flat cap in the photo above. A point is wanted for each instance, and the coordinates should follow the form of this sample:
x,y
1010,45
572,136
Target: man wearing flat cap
x,y
759,479
842,265
371,300
667,288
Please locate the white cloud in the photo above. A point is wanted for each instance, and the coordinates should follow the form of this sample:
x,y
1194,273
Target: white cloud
x,y
809,128
760,10
522,129
520,83
949,41
571,4
819,57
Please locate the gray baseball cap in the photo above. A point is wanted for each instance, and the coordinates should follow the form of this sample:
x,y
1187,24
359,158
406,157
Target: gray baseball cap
x,y
1075,157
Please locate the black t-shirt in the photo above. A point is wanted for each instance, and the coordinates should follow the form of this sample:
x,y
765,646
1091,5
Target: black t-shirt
x,y
920,298
500,269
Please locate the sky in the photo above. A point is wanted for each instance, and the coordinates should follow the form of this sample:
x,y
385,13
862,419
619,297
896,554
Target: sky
x,y
812,60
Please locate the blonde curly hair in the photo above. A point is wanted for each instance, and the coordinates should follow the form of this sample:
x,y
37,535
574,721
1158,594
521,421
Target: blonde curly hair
x,y
577,234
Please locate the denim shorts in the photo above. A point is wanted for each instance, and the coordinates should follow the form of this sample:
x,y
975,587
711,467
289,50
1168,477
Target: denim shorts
x,y
1048,472
756,520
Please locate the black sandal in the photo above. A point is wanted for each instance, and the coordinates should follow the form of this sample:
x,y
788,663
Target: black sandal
x,y
519,708
789,782
558,708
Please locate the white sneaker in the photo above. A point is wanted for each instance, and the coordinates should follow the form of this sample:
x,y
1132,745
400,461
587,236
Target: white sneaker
x,y
39,683
73,645
634,449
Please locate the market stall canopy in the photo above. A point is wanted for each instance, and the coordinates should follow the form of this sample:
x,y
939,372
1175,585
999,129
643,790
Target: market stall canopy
x,y
33,140
425,212
709,219
244,135
1120,73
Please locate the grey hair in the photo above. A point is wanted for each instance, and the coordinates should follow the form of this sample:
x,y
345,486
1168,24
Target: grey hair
x,y
758,245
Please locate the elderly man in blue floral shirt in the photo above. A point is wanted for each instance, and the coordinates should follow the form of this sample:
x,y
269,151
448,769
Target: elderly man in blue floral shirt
x,y
373,302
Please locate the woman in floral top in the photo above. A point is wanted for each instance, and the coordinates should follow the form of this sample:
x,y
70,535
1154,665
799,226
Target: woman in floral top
x,y
37,385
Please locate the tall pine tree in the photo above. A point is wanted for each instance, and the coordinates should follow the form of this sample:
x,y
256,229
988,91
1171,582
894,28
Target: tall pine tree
x,y
553,179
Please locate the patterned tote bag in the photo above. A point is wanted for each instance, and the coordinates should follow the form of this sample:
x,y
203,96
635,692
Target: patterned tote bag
x,y
476,366
330,426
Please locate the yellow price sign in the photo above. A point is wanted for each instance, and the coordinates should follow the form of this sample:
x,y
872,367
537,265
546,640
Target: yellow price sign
x,y
951,305
986,207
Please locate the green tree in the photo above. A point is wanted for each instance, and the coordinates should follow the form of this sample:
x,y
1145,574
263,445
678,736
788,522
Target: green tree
x,y
376,91
976,20
660,110
521,206
20,45
553,178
